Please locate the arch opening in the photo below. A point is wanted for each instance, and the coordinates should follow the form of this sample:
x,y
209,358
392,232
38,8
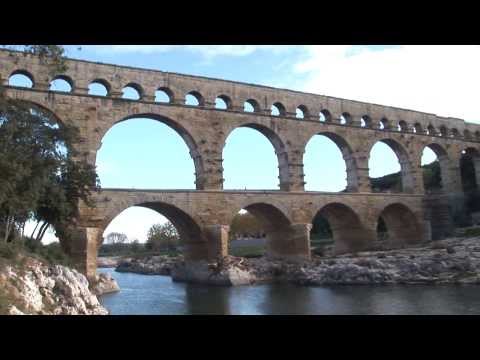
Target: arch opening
x,y
397,226
132,92
417,128
260,229
194,98
328,164
251,106
384,124
21,78
254,157
223,102
366,121
62,84
346,119
301,112
137,153
99,87
153,227
278,109
389,168
325,116
470,169
402,126
337,228
164,95
434,164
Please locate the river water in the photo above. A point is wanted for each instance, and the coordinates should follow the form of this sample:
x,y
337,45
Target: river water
x,y
159,295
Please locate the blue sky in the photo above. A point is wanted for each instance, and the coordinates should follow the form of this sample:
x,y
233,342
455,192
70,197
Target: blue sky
x,y
142,153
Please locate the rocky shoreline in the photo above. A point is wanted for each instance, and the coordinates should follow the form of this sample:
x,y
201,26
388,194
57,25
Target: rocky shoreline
x,y
451,261
35,288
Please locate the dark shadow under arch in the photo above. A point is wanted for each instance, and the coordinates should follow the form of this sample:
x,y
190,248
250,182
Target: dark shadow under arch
x,y
402,225
277,229
349,234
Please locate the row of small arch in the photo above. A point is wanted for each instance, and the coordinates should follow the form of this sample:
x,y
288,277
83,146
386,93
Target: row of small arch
x,y
134,91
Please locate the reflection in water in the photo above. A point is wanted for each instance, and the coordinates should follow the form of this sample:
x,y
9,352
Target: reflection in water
x,y
144,294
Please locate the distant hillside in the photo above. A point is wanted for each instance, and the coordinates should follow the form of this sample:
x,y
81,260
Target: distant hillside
x,y
392,182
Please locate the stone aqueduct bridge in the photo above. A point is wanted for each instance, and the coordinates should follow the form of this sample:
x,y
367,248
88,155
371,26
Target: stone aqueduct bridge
x,y
203,216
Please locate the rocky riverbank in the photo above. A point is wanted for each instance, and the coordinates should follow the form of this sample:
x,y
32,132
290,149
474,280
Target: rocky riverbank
x,y
32,287
451,261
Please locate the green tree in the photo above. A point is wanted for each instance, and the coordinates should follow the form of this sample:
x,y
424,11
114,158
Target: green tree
x,y
245,224
162,237
38,178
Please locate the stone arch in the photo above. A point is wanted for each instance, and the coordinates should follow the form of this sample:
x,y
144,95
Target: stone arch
x,y
467,134
254,104
67,79
277,226
23,72
384,124
305,114
402,126
347,154
346,119
137,87
280,107
443,131
325,116
406,169
199,97
443,160
180,130
417,128
349,234
169,93
431,130
189,229
366,121
278,146
470,168
402,225
104,83
226,100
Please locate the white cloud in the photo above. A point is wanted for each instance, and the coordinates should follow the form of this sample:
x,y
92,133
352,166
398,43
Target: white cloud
x,y
437,79
207,51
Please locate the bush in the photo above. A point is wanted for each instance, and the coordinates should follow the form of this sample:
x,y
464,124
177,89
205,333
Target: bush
x,y
9,250
472,232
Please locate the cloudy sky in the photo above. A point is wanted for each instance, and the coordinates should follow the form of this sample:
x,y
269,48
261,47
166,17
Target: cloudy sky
x,y
435,79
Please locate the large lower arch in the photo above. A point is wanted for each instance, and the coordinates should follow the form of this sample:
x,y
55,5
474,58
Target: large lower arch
x,y
277,227
279,148
192,238
401,224
346,151
349,234
180,130
406,170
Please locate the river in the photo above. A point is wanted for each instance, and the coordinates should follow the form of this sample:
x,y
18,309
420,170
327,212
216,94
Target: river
x,y
159,295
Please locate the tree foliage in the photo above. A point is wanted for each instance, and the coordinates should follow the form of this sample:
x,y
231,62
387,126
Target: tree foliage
x,y
246,225
162,237
39,178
